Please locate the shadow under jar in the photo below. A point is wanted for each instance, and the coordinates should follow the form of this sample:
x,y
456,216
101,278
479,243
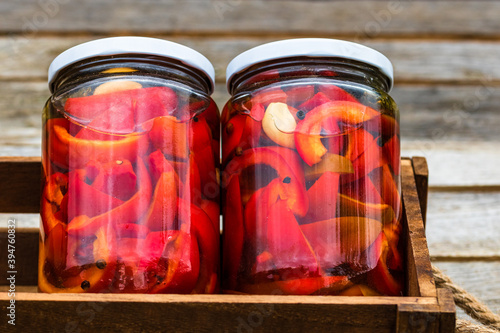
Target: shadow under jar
x,y
311,171
130,196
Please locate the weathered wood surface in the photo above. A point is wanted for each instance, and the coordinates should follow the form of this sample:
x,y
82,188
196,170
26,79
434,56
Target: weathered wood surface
x,y
482,279
397,18
445,61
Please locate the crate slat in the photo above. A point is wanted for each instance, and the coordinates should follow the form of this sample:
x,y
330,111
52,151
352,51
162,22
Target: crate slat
x,y
20,184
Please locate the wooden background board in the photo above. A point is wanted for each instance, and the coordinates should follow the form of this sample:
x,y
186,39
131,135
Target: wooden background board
x,y
447,70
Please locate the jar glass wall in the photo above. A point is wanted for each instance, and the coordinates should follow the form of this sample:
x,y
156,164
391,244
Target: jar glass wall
x,y
310,153
130,197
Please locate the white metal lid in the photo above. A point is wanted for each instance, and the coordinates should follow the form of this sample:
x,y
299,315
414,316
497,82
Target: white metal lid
x,y
139,45
309,47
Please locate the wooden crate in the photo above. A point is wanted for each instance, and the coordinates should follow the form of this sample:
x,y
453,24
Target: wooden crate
x,y
424,309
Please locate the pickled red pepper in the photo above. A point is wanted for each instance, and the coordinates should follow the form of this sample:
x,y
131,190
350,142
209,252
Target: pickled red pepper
x,y
114,202
311,181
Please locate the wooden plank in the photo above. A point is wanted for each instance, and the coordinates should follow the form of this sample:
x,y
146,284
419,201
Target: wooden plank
x,y
417,250
463,224
481,279
457,163
422,181
415,319
26,256
207,313
257,17
447,309
414,60
17,175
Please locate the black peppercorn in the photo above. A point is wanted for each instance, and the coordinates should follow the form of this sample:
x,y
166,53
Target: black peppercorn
x,y
101,263
85,285
287,180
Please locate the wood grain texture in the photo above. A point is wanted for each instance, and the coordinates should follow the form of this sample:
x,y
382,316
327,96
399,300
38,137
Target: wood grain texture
x,y
20,185
463,224
413,60
26,256
481,279
416,248
421,172
257,17
447,310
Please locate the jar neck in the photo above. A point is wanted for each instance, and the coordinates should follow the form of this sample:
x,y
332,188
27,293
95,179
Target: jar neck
x,y
266,73
142,65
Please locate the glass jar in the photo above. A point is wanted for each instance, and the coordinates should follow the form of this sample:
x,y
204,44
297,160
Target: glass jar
x,y
311,160
130,158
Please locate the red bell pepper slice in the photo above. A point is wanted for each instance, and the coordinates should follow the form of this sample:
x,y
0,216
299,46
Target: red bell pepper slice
x,y
257,211
163,208
362,190
200,226
371,159
335,93
136,105
293,160
323,197
341,239
69,151
131,230
178,265
158,164
128,212
294,190
358,142
97,276
231,135
351,207
388,189
314,101
296,95
392,151
117,119
116,179
54,201
308,131
84,199
153,102
233,233
90,107
169,135
287,244
268,96
56,245
242,131
328,285
205,163
212,209
380,277
200,134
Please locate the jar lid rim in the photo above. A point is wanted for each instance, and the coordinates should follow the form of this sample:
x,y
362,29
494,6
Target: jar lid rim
x,y
132,44
309,47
